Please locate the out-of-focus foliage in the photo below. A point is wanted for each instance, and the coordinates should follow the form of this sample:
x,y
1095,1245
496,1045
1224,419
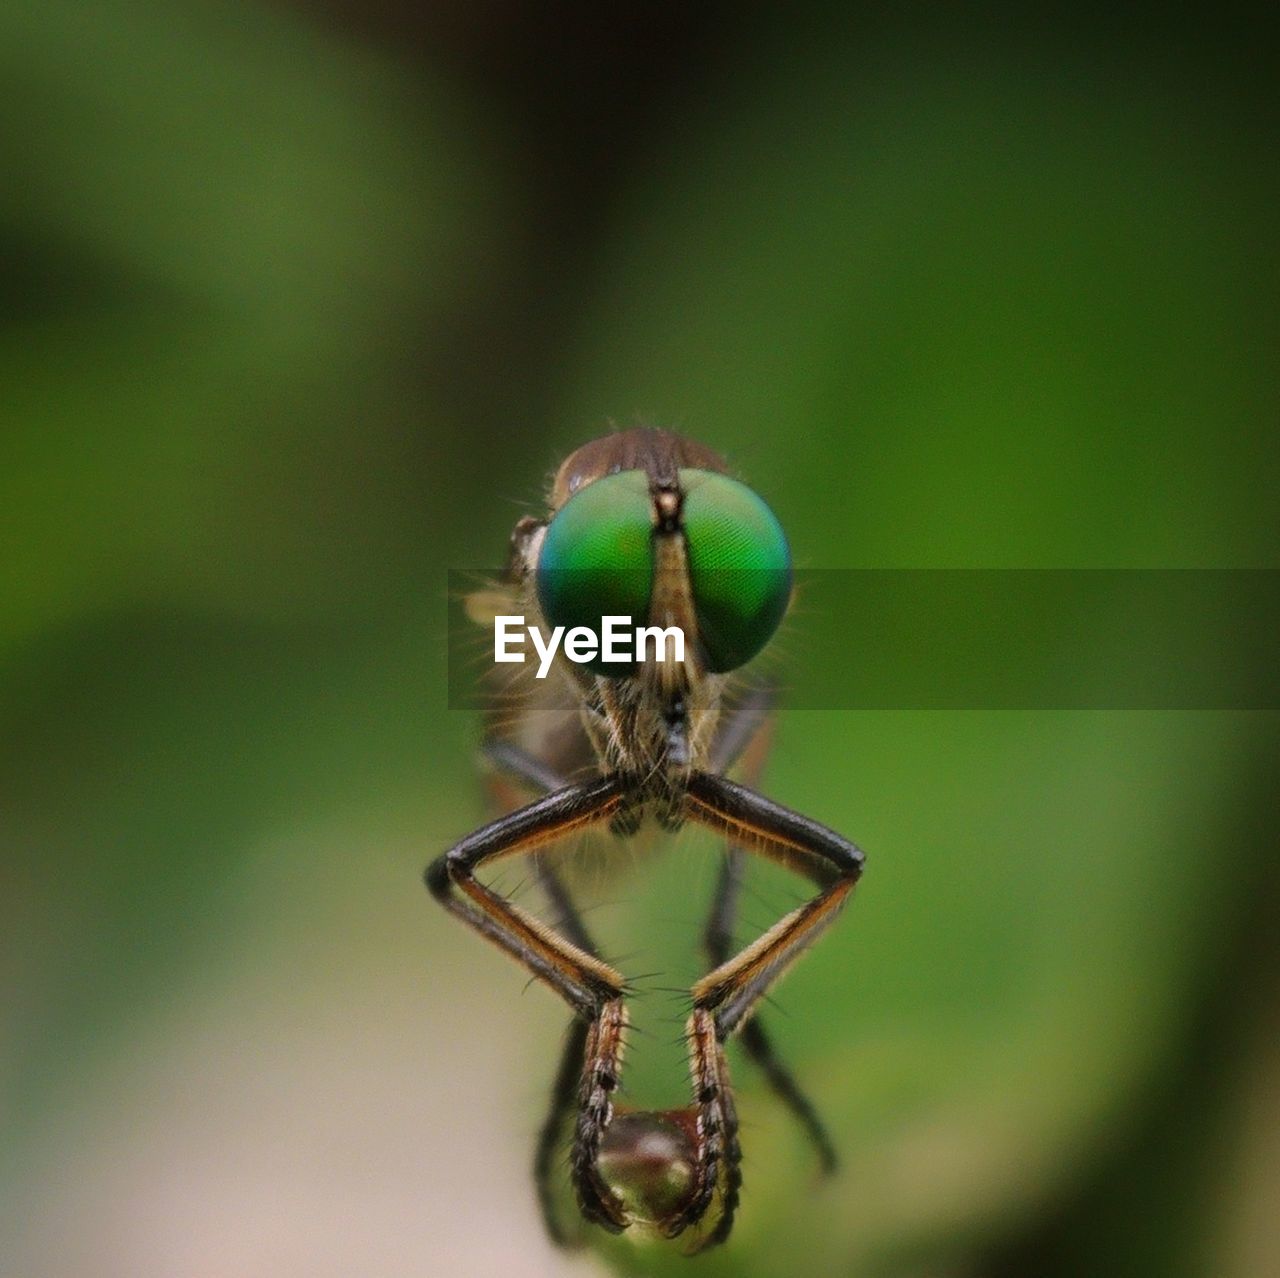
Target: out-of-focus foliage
x,y
287,333
224,230
951,315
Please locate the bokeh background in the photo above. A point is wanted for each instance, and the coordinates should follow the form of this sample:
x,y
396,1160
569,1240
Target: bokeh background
x,y
301,302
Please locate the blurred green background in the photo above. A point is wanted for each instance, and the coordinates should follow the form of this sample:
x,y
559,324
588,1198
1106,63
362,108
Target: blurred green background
x,y
301,304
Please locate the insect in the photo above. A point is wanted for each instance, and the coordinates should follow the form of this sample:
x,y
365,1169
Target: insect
x,y
650,525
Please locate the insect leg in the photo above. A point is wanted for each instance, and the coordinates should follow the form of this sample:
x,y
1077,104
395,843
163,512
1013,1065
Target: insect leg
x,y
758,825
518,764
718,942
522,766
726,997
591,987
744,733
564,1092
717,1129
743,740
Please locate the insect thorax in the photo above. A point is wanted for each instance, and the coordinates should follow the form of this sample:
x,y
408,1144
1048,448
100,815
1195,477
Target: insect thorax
x,y
630,725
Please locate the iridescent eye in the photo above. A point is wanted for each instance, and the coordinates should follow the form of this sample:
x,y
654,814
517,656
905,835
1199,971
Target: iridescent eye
x,y
740,566
597,558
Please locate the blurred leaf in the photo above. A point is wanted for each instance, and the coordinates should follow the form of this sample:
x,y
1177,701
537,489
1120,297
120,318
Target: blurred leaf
x,y
946,314
224,220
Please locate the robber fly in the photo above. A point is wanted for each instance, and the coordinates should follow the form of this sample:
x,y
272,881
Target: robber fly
x,y
649,525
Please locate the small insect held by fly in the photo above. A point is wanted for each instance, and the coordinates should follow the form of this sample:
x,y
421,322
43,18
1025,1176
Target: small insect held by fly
x,y
646,526
650,1162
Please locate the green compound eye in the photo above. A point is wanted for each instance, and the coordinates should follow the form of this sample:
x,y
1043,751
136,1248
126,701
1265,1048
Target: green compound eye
x,y
740,565
597,558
